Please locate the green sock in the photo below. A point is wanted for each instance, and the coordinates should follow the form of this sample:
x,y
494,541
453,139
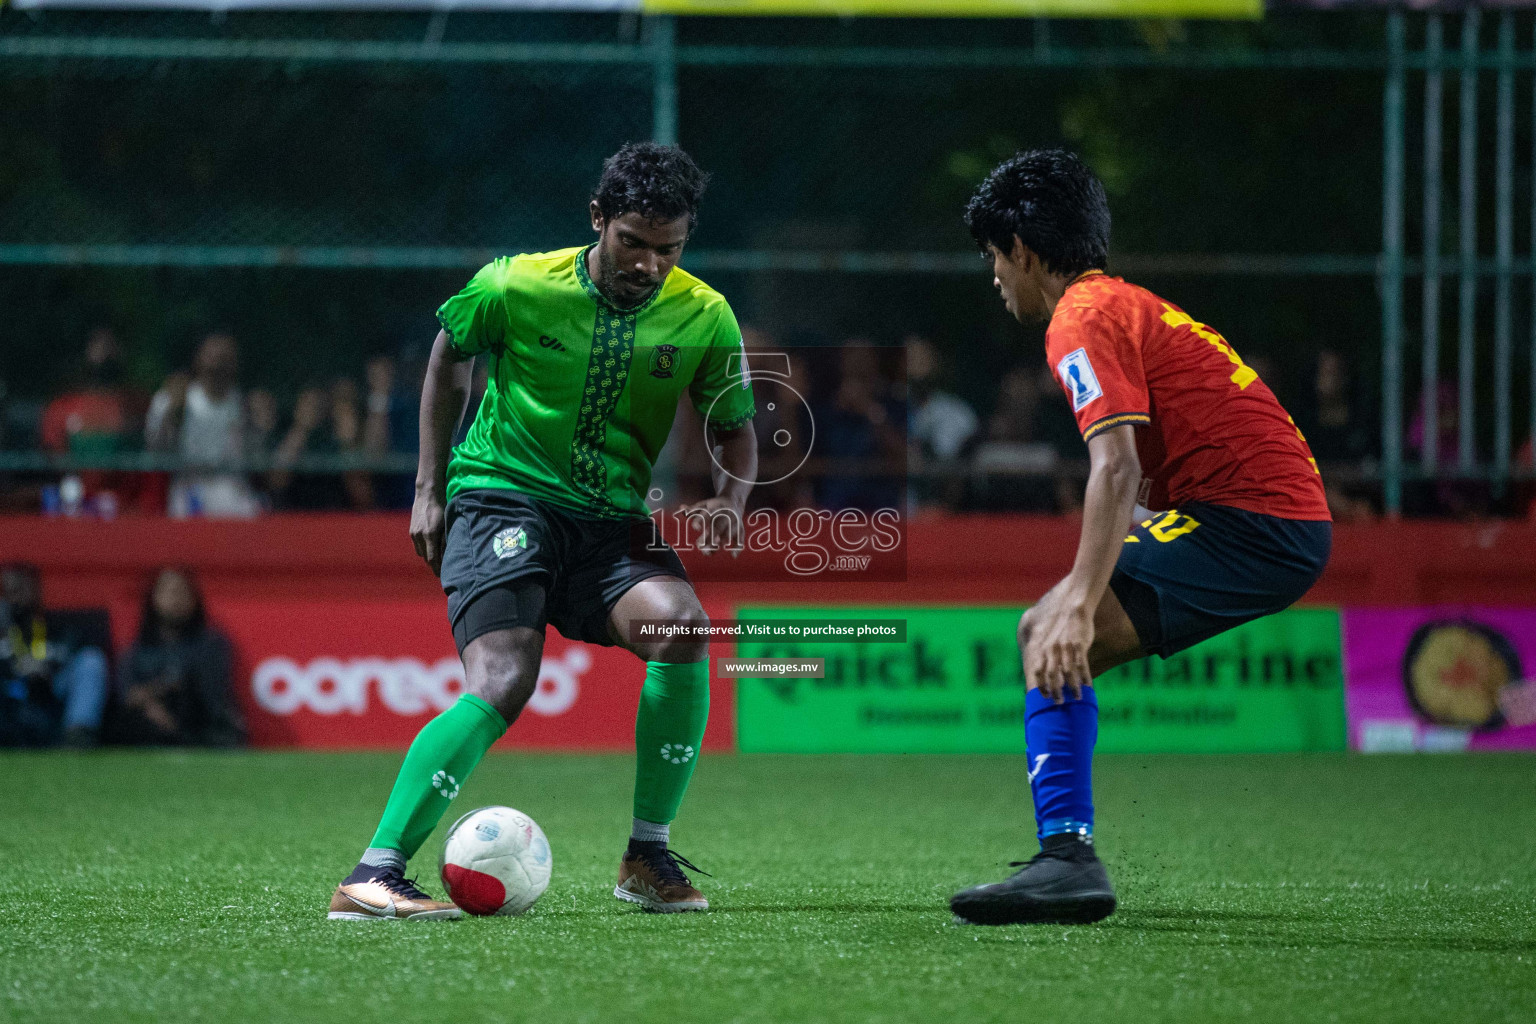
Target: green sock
x,y
669,730
437,765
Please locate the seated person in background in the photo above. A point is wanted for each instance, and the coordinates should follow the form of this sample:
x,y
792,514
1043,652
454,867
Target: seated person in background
x,y
390,424
941,427
53,689
1014,470
1339,432
325,422
98,416
176,677
860,432
202,418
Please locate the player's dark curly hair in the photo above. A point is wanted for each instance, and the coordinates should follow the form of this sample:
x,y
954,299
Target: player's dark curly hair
x,y
658,182
1052,201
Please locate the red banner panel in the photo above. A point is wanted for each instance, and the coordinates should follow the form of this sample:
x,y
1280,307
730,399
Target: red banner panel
x,y
335,674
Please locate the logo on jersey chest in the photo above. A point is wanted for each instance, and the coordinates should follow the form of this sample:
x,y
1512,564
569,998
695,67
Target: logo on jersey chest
x,y
1079,379
663,361
549,342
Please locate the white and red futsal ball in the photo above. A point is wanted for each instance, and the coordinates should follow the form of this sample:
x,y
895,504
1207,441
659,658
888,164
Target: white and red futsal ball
x,y
496,860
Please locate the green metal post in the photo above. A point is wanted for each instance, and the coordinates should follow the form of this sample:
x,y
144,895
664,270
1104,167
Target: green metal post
x,y
1392,267
1467,288
1504,250
661,33
1429,364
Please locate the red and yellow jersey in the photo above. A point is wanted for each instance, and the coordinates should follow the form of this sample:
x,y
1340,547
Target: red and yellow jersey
x,y
1208,429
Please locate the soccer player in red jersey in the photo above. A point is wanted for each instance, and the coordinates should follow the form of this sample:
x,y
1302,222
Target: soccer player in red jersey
x,y
1174,421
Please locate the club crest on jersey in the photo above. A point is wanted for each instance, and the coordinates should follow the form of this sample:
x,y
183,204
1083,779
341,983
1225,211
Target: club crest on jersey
x,y
663,361
1078,376
509,542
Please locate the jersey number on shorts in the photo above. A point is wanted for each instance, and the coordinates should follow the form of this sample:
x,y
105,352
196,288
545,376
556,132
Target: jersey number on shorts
x,y
1166,527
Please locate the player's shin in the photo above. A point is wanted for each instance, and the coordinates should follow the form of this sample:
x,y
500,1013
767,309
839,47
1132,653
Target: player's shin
x,y
437,765
669,731
1060,740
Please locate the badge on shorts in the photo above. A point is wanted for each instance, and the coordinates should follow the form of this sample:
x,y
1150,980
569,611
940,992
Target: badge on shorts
x,y
509,542
663,360
1078,376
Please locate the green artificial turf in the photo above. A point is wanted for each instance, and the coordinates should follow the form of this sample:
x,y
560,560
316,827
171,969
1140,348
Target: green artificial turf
x,y
168,886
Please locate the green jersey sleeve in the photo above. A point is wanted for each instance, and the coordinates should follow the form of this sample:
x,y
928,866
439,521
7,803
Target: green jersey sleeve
x,y
475,320
722,386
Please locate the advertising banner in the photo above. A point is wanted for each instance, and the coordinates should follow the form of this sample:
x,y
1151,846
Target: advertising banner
x,y
955,686
370,674
1451,677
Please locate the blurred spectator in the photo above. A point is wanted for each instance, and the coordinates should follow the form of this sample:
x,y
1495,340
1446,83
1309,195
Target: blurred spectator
x,y
940,426
1458,498
99,416
202,418
1331,418
54,687
783,424
325,422
859,431
1447,432
175,687
1330,413
1013,415
1013,470
391,424
261,421
16,495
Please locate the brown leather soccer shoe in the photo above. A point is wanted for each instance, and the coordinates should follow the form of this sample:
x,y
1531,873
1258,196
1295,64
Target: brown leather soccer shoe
x,y
652,876
388,897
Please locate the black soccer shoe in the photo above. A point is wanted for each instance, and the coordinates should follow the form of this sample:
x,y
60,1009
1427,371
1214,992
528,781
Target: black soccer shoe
x,y
1065,883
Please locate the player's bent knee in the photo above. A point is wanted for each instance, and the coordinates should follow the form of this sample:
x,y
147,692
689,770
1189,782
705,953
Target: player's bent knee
x,y
688,646
1113,647
502,669
1115,641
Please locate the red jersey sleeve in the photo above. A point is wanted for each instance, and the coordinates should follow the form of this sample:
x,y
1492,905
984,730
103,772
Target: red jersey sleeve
x,y
1098,364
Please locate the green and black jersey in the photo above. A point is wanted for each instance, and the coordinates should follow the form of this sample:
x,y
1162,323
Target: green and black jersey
x,y
582,395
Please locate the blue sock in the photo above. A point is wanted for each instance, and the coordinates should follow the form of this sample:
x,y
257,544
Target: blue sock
x,y
1060,739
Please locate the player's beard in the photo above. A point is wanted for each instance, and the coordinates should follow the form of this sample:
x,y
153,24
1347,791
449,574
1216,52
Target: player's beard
x,y
624,292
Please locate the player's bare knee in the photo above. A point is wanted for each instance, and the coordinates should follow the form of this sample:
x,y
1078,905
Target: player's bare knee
x,y
687,645
502,672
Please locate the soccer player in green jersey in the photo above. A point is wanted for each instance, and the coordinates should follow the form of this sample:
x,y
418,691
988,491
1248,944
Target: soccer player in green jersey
x,y
539,515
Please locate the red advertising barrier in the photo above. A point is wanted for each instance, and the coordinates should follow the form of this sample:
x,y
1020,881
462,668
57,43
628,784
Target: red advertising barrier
x,y
967,559
343,639
372,673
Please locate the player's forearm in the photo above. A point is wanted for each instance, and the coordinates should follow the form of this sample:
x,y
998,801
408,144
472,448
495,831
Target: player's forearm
x,y
1108,506
444,396
736,468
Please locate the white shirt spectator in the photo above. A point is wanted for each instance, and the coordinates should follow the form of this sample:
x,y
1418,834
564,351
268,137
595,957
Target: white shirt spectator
x,y
210,432
943,424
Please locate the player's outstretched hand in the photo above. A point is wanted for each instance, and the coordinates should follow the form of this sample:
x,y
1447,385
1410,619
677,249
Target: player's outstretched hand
x,y
719,522
427,519
1054,637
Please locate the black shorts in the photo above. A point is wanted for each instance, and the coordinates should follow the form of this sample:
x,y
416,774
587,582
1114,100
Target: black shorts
x,y
1188,574
514,560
